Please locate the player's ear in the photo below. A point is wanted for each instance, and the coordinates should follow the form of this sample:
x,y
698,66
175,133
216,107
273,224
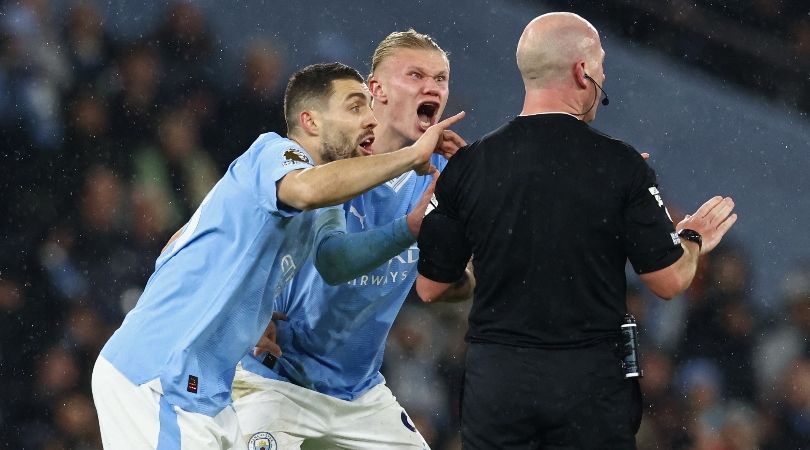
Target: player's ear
x,y
309,122
376,89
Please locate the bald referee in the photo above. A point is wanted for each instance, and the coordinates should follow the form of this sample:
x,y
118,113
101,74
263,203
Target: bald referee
x,y
551,210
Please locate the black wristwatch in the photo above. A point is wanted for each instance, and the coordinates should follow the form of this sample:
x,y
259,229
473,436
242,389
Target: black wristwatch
x,y
691,235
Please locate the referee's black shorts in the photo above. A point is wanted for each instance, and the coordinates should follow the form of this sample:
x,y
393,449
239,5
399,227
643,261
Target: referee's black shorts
x,y
531,399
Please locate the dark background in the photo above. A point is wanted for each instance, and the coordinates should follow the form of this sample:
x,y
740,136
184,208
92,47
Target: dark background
x,y
116,118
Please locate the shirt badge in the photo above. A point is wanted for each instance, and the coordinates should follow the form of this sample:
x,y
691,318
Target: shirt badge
x,y
293,155
262,441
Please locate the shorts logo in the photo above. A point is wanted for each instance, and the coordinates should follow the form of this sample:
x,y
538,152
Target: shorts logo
x,y
407,422
262,441
293,155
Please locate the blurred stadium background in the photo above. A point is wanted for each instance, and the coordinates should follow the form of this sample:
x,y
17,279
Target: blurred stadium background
x,y
118,116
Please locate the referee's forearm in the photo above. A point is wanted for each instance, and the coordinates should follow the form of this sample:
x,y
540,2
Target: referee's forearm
x,y
461,290
676,278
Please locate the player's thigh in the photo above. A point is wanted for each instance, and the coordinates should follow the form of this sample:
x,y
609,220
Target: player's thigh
x,y
281,412
272,440
198,431
128,414
272,417
374,421
138,417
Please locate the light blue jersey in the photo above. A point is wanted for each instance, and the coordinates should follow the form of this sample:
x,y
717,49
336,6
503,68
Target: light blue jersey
x,y
335,337
213,289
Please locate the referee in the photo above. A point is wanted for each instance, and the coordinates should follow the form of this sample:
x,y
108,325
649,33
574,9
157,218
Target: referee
x,y
551,210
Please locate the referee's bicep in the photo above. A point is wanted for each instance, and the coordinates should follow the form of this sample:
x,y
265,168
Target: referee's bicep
x,y
650,240
443,249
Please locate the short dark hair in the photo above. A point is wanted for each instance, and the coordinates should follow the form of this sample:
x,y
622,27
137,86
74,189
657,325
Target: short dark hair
x,y
313,84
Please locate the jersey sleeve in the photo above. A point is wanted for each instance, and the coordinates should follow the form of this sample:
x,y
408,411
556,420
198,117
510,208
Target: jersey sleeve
x,y
272,163
443,248
341,256
651,241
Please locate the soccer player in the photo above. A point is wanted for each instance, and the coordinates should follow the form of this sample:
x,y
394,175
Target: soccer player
x,y
326,389
163,380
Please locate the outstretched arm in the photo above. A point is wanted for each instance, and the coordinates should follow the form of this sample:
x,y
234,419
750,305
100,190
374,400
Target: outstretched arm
x,y
342,256
712,220
338,181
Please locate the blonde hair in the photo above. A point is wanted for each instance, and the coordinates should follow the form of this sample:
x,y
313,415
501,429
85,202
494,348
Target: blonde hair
x,y
403,39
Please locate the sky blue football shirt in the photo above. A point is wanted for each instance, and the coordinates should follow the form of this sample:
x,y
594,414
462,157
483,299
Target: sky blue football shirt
x,y
212,292
335,337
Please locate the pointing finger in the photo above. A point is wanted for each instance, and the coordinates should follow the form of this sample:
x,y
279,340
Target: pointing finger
x,y
450,121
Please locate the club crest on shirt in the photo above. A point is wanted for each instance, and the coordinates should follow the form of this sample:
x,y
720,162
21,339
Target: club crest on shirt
x,y
293,155
262,441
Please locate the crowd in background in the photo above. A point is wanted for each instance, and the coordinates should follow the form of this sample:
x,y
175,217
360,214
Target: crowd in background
x,y
108,146
763,45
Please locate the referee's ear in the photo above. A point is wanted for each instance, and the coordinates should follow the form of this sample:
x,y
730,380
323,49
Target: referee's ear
x,y
580,75
376,89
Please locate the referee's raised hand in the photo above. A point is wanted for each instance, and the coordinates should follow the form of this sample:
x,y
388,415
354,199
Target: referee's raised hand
x,y
712,220
432,140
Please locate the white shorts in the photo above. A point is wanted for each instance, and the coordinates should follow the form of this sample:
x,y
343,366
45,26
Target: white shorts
x,y
276,415
135,417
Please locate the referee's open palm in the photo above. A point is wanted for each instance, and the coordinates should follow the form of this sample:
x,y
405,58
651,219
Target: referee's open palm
x,y
712,220
432,140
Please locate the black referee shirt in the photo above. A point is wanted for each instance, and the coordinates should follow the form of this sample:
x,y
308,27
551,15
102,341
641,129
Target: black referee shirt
x,y
551,210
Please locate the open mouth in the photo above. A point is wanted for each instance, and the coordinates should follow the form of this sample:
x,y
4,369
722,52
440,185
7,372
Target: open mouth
x,y
365,145
427,114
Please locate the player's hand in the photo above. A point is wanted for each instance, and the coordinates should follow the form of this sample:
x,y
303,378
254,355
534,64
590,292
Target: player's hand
x,y
712,220
645,155
414,218
267,343
431,142
449,144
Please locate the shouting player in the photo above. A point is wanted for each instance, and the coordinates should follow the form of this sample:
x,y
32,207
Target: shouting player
x,y
163,380
326,389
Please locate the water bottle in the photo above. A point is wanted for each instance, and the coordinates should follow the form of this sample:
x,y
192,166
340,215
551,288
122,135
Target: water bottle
x,y
630,362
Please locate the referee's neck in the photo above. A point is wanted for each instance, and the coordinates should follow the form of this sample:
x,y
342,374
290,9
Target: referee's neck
x,y
547,101
550,112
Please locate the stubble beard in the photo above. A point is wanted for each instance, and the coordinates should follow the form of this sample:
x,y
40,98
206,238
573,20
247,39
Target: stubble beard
x,y
337,146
